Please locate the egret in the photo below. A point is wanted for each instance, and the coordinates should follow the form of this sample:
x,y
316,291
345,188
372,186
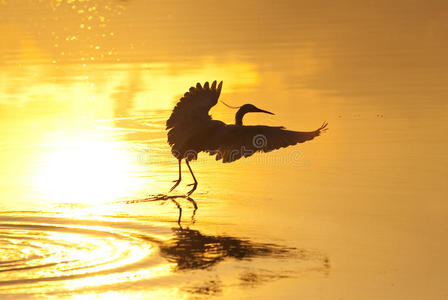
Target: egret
x,y
192,130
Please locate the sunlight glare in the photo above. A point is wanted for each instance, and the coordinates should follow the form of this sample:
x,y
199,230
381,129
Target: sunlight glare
x,y
86,171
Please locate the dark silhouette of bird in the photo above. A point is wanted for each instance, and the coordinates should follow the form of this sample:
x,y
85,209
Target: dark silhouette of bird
x,y
192,130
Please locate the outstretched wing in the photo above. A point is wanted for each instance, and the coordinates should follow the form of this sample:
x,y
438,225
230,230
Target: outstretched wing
x,y
195,104
231,142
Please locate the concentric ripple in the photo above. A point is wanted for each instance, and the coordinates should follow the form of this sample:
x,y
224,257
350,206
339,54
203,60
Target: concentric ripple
x,y
39,255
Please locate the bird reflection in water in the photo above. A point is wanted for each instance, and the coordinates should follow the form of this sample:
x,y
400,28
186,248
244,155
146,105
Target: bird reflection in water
x,y
172,198
192,250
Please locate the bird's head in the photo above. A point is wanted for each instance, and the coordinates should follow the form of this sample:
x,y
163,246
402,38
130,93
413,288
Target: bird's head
x,y
246,108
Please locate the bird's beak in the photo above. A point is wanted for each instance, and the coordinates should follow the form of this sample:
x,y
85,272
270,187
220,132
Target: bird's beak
x,y
264,111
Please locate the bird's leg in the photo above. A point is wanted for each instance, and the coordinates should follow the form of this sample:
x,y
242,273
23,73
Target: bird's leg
x,y
180,177
195,184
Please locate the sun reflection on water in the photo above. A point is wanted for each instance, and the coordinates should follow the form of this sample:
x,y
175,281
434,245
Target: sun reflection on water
x,y
90,171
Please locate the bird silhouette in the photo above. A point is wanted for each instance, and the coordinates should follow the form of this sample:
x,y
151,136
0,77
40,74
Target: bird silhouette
x,y
192,130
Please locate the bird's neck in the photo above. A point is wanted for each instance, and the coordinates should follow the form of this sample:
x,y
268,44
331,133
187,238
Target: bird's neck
x,y
239,116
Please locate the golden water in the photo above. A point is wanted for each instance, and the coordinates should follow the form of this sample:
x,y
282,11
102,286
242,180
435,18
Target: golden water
x,y
358,213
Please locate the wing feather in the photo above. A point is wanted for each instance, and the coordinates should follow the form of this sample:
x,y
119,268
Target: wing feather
x,y
195,105
231,142
190,114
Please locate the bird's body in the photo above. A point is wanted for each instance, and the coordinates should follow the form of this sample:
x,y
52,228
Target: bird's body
x,y
192,130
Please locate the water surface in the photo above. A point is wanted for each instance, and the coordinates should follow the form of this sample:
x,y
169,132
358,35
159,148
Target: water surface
x,y
360,212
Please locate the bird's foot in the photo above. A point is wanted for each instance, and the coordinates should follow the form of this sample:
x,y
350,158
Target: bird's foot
x,y
175,185
195,185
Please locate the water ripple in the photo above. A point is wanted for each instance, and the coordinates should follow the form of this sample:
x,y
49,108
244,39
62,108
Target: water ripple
x,y
34,253
44,254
